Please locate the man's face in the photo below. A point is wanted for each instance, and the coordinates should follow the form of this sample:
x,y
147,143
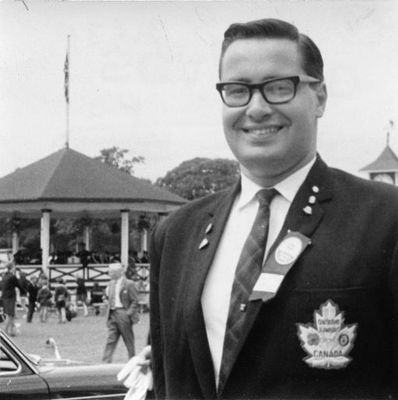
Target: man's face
x,y
270,141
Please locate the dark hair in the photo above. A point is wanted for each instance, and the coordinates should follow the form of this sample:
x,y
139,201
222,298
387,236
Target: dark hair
x,y
270,28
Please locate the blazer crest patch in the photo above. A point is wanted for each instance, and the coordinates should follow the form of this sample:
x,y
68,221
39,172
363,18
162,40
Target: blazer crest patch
x,y
327,341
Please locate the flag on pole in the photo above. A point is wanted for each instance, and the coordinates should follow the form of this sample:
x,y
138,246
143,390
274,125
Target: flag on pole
x,y
66,71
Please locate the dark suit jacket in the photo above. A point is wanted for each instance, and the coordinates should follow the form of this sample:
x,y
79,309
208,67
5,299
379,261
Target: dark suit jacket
x,y
352,261
9,283
129,298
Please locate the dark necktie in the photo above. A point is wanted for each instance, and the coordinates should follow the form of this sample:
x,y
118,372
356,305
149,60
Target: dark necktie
x,y
247,272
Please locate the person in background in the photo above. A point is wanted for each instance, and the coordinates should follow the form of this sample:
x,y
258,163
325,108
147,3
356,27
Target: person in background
x,y
122,312
22,292
97,297
70,310
33,290
81,295
84,257
131,269
61,296
73,259
136,257
10,283
44,298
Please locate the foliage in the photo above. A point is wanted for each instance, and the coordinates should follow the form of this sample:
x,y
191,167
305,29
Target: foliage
x,y
120,159
199,177
27,230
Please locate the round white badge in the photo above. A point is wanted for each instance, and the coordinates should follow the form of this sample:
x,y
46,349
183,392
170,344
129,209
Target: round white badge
x,y
288,250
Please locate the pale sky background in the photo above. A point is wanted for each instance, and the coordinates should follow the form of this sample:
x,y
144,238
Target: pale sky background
x,y
143,76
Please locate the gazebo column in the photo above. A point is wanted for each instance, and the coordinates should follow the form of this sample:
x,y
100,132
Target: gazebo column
x,y
45,238
144,239
124,238
86,237
15,242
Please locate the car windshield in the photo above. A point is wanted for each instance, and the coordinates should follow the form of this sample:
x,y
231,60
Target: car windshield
x,y
34,358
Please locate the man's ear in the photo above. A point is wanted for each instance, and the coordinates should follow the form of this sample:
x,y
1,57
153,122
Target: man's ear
x,y
321,98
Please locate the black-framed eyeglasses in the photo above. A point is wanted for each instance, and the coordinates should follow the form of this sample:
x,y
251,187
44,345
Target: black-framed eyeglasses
x,y
274,91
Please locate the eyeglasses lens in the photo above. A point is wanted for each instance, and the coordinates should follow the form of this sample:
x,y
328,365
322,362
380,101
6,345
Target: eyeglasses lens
x,y
235,94
278,91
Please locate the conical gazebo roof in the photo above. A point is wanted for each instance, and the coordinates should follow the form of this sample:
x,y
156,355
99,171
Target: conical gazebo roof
x,y
386,162
70,182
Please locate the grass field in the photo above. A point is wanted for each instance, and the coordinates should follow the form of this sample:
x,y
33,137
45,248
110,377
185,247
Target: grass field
x,y
82,339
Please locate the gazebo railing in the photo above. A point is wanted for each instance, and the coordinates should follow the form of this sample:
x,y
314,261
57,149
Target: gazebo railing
x,y
93,273
99,273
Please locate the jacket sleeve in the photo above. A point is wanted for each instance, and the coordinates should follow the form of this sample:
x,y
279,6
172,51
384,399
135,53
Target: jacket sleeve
x,y
17,282
155,320
394,291
133,298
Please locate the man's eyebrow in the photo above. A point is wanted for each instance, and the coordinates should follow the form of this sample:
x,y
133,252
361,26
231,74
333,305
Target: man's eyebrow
x,y
268,78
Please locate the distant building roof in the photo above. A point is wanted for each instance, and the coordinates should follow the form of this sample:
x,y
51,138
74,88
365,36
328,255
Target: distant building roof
x,y
68,176
386,162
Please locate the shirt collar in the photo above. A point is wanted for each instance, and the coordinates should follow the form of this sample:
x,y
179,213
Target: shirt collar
x,y
287,188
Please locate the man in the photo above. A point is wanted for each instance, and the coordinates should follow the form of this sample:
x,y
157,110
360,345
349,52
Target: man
x,y
84,256
33,290
314,315
8,296
122,311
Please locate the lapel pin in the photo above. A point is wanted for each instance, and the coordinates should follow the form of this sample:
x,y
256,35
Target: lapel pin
x,y
209,228
307,210
312,200
203,243
315,189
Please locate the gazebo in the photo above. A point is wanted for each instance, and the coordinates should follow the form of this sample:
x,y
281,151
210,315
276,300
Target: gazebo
x,y
384,168
69,184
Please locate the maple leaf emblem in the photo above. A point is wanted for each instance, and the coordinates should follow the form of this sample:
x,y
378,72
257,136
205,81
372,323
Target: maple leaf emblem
x,y
328,341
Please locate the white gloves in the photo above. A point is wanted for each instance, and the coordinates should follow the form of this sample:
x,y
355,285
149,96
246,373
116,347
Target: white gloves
x,y
137,375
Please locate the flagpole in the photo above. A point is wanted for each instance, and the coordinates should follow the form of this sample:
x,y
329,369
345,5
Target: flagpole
x,y
67,89
389,129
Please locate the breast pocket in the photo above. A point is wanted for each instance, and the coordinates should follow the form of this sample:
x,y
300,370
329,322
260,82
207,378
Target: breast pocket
x,y
338,331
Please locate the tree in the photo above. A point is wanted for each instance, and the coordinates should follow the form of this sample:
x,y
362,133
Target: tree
x,y
119,158
198,177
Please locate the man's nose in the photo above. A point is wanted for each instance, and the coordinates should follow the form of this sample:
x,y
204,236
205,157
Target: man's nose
x,y
258,107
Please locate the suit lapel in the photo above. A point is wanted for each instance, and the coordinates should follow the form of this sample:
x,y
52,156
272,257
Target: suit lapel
x,y
212,223
303,216
318,185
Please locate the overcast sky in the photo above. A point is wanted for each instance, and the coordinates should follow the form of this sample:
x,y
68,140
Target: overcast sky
x,y
143,77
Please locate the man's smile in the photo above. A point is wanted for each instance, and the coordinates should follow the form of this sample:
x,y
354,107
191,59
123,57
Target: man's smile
x,y
264,132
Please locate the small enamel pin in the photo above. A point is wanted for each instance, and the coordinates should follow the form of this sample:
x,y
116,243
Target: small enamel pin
x,y
315,189
312,200
307,210
203,243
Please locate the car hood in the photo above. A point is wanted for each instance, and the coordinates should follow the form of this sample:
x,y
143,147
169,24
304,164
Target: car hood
x,y
75,378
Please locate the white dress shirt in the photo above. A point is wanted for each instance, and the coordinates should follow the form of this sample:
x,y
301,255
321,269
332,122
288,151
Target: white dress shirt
x,y
118,283
218,286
